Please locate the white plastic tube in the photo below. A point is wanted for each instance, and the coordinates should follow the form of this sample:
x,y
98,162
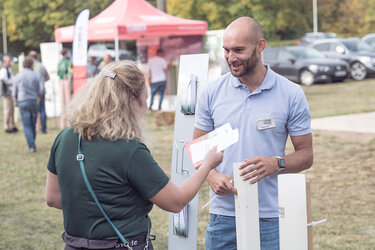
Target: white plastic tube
x,y
247,212
292,212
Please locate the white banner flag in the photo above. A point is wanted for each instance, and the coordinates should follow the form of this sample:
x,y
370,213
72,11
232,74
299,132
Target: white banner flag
x,y
80,50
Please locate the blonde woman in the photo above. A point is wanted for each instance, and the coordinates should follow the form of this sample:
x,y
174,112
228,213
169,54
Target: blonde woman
x,y
127,181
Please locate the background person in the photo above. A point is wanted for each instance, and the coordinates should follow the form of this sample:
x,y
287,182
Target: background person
x,y
145,68
41,120
92,67
250,97
108,113
6,77
27,90
107,58
158,72
64,70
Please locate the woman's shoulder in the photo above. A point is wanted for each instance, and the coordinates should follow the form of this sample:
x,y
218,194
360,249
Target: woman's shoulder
x,y
134,144
63,133
122,146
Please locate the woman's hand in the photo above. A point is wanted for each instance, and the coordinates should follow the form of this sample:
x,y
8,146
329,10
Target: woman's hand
x,y
213,158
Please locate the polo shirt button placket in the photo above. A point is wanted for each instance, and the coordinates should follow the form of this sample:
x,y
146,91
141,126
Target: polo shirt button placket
x,y
247,104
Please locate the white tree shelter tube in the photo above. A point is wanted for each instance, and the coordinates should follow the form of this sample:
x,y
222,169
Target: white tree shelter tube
x,y
247,212
292,212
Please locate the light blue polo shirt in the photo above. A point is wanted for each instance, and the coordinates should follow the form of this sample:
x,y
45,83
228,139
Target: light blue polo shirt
x,y
228,100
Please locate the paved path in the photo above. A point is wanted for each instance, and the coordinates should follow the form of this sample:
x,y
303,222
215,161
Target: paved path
x,y
363,123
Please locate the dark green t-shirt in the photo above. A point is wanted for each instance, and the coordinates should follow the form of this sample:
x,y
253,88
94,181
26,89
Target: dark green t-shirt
x,y
123,175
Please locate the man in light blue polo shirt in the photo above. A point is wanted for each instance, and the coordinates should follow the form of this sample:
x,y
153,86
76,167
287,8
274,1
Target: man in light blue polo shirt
x,y
266,108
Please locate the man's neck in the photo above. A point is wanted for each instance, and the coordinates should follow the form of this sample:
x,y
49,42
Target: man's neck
x,y
255,78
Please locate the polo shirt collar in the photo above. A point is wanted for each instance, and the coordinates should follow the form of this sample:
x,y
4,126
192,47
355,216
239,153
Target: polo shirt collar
x,y
267,83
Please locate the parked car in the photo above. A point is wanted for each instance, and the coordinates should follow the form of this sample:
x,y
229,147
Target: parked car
x,y
311,37
99,50
304,64
358,54
370,40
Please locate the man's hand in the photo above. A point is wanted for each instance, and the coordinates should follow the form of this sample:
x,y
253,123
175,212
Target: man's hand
x,y
258,167
221,183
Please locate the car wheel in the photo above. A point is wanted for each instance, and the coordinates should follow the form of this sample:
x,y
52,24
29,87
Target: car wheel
x,y
306,77
358,71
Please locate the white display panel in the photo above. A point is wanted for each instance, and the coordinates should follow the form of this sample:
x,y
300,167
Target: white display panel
x,y
247,212
179,237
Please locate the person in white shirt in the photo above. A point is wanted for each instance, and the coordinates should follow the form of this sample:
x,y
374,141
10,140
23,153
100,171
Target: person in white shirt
x,y
6,77
158,71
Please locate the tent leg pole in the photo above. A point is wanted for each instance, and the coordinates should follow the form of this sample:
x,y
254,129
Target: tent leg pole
x,y
116,48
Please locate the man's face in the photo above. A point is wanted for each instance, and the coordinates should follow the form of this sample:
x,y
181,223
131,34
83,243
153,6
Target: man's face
x,y
240,52
107,58
241,67
7,61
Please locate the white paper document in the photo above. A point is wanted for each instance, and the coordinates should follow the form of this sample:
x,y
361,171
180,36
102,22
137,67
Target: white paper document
x,y
222,137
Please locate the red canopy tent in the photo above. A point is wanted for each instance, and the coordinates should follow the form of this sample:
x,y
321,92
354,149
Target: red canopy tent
x,y
133,19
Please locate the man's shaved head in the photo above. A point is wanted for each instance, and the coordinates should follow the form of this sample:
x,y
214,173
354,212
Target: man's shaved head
x,y
248,25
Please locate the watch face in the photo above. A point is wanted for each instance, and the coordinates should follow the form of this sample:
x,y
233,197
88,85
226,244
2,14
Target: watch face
x,y
281,162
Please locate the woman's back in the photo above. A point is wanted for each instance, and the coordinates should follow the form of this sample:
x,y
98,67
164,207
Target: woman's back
x,y
124,177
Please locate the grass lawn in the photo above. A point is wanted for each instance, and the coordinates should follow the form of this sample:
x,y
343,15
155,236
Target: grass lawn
x,y
342,179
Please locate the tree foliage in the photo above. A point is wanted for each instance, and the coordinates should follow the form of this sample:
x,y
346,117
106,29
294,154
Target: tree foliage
x,y
31,22
345,17
34,21
283,19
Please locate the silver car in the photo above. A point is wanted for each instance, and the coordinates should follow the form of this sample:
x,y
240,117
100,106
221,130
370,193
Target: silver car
x,y
369,39
358,54
100,50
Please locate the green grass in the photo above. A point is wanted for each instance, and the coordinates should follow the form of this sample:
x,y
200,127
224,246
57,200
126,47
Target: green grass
x,y
342,179
341,98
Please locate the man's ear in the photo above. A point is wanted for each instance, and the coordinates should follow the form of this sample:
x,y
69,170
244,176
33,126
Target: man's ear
x,y
262,44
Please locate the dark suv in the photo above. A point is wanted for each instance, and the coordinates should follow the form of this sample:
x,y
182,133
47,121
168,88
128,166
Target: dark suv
x,y
358,54
304,64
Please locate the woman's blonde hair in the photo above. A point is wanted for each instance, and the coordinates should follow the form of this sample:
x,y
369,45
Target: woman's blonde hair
x,y
109,107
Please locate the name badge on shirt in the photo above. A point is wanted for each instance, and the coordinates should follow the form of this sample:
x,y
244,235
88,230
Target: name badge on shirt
x,y
266,123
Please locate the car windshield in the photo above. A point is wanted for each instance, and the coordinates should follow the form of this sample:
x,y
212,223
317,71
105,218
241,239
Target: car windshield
x,y
356,45
303,53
